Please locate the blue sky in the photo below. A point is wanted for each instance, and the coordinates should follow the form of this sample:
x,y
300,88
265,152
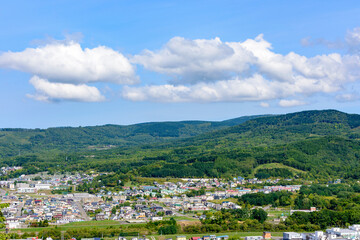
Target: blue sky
x,y
80,63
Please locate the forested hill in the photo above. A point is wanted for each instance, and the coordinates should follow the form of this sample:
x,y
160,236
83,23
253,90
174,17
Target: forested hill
x,y
281,129
68,139
310,144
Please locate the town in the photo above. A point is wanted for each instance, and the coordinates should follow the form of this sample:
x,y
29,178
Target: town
x,y
42,200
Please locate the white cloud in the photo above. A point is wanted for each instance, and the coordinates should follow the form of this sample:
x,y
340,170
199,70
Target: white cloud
x,y
48,91
67,62
309,42
290,103
196,60
212,71
352,39
264,104
351,43
200,70
255,88
347,97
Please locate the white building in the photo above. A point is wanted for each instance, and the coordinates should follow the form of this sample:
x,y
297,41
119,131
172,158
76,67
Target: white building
x,y
26,190
291,235
355,227
42,186
22,185
254,238
13,223
343,233
156,218
318,235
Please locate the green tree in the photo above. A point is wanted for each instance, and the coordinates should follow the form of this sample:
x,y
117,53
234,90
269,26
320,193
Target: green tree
x,y
259,214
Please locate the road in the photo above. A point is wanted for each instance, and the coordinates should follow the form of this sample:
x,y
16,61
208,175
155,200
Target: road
x,y
82,211
2,192
18,209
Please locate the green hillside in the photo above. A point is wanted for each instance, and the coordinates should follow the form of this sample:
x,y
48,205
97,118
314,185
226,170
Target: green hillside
x,y
311,144
268,131
69,139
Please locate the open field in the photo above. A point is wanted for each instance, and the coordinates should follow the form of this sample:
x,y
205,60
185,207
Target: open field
x,y
92,223
277,213
85,224
276,165
234,200
106,224
180,218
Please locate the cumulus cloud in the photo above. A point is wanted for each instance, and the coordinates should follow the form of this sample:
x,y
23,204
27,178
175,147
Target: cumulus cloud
x,y
290,103
200,70
264,104
48,91
347,97
255,88
67,62
196,60
352,40
62,68
351,43
211,71
309,42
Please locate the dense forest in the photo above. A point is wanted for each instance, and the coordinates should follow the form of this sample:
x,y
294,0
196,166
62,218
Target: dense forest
x,y
14,142
311,144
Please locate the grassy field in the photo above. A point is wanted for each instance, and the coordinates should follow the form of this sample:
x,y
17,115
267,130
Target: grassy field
x,y
109,223
85,224
234,200
277,213
275,165
181,218
92,223
149,181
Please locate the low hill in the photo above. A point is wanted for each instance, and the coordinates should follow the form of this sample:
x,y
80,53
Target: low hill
x,y
272,130
310,144
69,139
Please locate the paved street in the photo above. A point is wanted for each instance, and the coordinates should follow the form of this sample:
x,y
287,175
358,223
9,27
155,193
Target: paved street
x,y
20,206
2,192
82,211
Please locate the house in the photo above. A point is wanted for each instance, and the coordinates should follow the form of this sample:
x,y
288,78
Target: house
x,y
26,190
291,236
343,233
223,237
267,235
209,237
180,238
100,216
169,212
195,238
318,235
43,186
12,223
254,238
